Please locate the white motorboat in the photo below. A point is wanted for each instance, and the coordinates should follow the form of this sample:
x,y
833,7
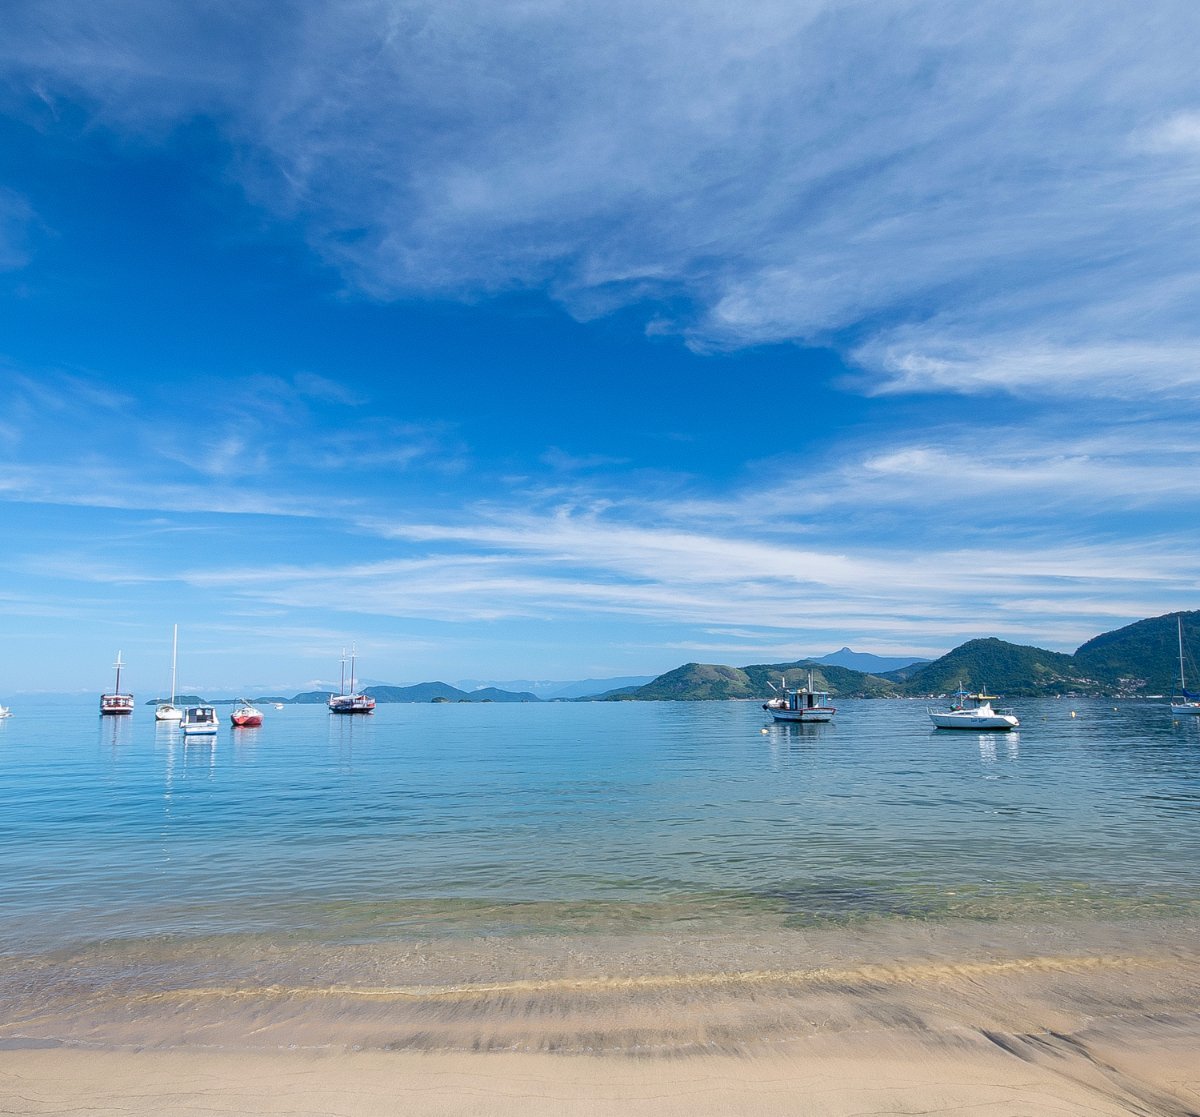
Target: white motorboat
x,y
352,703
5,712
1184,704
116,702
972,711
199,721
803,704
168,711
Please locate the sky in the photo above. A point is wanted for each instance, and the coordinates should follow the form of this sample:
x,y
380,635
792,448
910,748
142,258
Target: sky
x,y
545,341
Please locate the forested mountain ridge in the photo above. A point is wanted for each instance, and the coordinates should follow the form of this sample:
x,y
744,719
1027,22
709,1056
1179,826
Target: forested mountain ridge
x,y
1141,658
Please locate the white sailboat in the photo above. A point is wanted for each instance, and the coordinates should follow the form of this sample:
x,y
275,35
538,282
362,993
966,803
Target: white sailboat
x,y
168,711
1185,704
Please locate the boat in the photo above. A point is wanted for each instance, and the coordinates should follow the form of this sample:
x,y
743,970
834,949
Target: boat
x,y
343,703
246,716
116,703
1184,704
168,711
199,721
5,712
804,704
972,711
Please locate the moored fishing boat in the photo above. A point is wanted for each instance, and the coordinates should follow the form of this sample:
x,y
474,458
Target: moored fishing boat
x,y
246,716
352,703
199,721
1185,703
805,704
972,711
116,702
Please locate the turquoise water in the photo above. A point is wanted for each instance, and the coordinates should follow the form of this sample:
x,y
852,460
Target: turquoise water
x,y
449,819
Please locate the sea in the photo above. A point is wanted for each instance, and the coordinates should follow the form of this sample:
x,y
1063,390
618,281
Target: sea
x,y
429,822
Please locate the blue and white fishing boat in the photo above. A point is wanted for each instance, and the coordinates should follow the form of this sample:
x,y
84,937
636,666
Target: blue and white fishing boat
x,y
804,704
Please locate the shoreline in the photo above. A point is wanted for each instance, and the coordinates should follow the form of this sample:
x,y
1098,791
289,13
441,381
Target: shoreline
x,y
1094,1074
899,1016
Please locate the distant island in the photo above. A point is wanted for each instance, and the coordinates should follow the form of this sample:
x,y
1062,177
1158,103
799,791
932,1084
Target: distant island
x,y
1138,660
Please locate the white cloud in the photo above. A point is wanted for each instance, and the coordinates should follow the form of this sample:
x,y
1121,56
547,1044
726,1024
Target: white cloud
x,y
948,190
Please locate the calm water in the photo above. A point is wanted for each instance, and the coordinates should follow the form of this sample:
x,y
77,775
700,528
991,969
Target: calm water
x,y
444,819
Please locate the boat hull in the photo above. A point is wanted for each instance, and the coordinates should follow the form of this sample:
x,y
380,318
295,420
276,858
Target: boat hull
x,y
244,721
958,721
168,713
351,704
1185,709
114,705
817,713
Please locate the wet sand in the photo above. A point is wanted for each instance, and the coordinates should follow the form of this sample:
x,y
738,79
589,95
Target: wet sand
x,y
893,1017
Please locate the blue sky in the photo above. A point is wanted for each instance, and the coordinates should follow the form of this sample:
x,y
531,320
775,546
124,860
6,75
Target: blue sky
x,y
549,341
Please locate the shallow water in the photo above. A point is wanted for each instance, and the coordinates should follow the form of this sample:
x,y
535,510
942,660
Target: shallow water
x,y
457,820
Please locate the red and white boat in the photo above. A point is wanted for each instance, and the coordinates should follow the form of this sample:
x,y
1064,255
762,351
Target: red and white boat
x,y
116,703
246,716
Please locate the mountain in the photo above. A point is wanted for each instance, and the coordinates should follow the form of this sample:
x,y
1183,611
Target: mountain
x,y
588,688
422,692
1001,667
869,663
697,682
549,690
427,692
1143,656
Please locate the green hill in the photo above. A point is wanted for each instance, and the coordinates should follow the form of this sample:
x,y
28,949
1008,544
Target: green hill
x,y
1143,656
1001,667
694,682
423,692
700,682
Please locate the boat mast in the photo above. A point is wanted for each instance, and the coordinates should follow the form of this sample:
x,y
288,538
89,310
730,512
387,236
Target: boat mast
x,y
1182,682
174,654
117,688
353,657
342,684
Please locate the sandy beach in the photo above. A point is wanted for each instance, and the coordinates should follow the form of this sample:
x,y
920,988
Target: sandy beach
x,y
898,1017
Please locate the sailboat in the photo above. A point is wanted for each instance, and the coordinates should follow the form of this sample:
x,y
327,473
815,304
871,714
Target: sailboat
x,y
168,711
343,703
1186,704
116,703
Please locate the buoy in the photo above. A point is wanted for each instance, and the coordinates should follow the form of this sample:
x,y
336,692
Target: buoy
x,y
1073,713
763,730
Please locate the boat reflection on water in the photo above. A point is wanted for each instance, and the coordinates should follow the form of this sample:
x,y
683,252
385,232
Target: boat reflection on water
x,y
990,755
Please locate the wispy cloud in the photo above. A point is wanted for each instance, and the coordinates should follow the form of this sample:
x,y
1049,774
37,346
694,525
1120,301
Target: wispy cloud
x,y
15,219
899,180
